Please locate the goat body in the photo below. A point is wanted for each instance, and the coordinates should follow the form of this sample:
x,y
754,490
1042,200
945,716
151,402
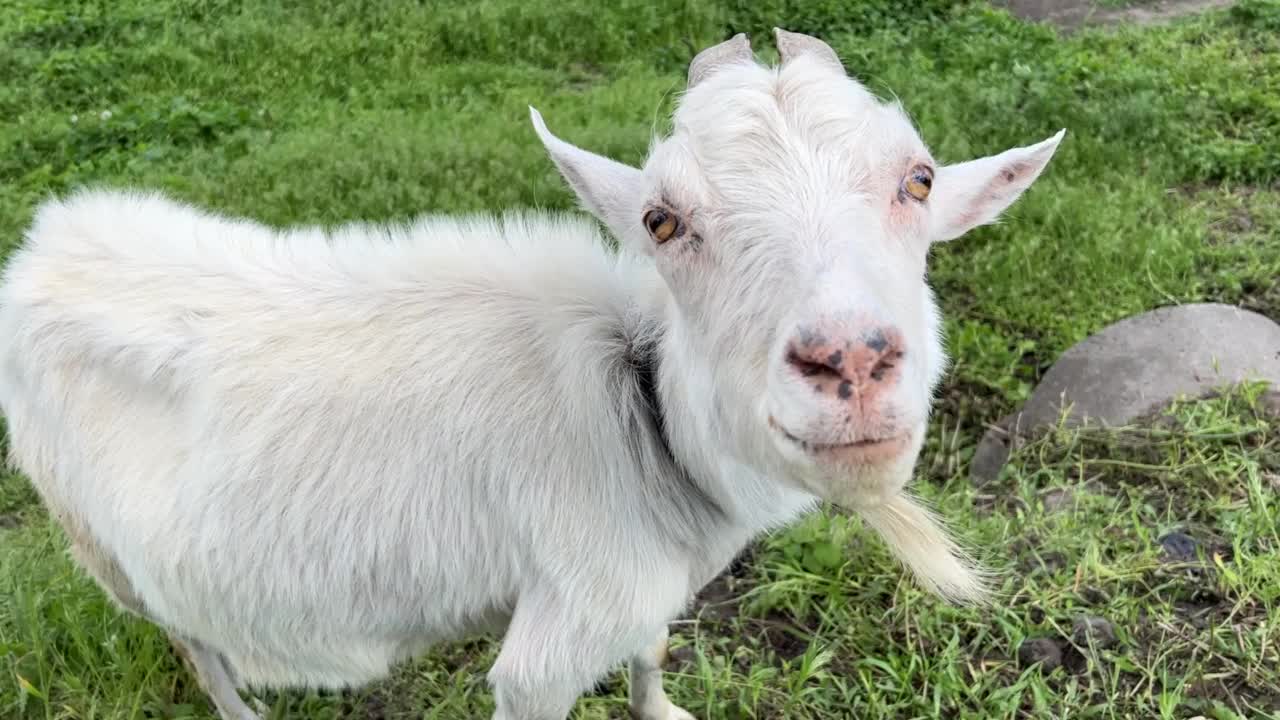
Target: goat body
x,y
309,455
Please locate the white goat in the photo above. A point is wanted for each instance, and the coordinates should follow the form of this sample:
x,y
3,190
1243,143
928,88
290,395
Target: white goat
x,y
310,456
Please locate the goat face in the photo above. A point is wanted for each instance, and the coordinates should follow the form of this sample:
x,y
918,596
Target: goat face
x,y
790,213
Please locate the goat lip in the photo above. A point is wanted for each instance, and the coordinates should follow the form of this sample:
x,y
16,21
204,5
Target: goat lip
x,y
864,450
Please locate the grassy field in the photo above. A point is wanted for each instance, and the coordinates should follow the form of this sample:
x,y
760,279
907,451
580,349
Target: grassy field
x,y
1166,189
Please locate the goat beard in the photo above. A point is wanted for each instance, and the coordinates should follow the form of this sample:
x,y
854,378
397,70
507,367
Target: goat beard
x,y
920,540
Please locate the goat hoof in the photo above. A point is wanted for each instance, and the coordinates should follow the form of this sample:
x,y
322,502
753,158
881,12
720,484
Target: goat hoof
x,y
670,713
676,713
261,708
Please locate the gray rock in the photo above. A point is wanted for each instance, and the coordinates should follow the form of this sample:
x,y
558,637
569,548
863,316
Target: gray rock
x,y
1147,361
1040,650
1140,364
1094,632
1178,547
993,450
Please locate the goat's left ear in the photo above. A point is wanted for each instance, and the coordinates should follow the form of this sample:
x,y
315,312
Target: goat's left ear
x,y
973,193
608,189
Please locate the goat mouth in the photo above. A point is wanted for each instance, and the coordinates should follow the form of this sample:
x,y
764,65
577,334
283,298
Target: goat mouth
x,y
864,449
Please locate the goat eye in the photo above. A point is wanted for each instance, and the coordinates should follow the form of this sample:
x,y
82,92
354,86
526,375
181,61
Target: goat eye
x,y
662,225
918,182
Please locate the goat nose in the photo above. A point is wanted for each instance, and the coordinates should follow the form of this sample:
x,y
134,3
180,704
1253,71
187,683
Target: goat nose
x,y
842,364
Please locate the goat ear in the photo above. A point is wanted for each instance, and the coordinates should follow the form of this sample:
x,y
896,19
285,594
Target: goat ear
x,y
973,193
608,189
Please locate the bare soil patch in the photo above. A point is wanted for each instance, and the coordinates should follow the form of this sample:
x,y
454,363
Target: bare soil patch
x,y
1072,14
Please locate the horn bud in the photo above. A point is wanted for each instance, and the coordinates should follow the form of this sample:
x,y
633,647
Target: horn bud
x,y
736,49
792,45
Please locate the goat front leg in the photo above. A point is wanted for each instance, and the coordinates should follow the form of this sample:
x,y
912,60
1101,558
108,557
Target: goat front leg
x,y
553,652
648,700
215,678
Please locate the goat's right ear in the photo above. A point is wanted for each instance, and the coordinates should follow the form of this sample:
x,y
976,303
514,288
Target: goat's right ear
x,y
976,192
608,189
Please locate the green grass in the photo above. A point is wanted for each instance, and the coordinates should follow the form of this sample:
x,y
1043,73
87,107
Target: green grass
x,y
1166,189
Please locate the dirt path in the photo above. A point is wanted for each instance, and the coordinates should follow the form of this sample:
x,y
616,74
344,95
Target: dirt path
x,y
1070,14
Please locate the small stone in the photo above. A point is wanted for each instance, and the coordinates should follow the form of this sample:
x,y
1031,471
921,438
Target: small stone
x,y
1178,547
1270,403
8,522
1048,562
1089,631
993,450
1053,560
1057,499
1040,650
1093,596
679,656
988,459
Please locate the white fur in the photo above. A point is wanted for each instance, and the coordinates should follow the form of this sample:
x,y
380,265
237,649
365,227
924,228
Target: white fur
x,y
311,456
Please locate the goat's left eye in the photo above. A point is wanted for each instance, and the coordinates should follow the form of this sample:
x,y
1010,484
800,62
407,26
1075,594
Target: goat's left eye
x,y
661,224
918,182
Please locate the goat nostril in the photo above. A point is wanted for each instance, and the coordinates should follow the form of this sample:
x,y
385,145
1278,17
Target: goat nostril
x,y
812,368
883,366
848,364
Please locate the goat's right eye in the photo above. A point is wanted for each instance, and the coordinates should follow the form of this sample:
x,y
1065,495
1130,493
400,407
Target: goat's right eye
x,y
918,183
662,225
